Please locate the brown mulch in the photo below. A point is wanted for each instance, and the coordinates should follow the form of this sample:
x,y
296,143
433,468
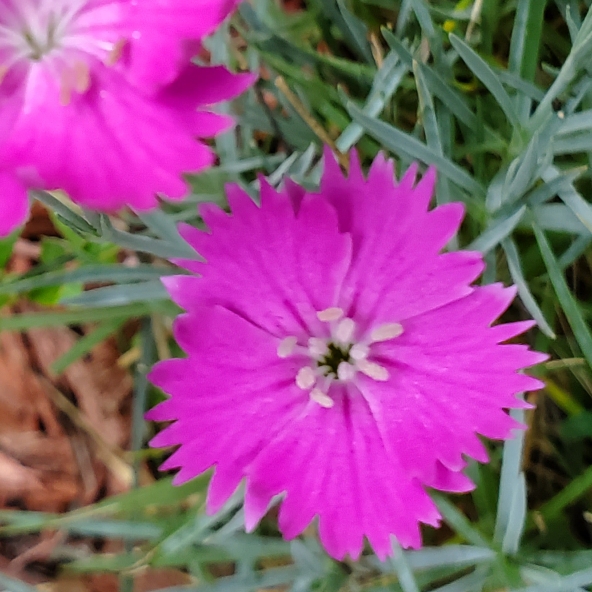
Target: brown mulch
x,y
62,440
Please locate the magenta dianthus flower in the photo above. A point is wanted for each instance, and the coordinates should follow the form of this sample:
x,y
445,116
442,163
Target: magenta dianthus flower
x,y
337,357
78,111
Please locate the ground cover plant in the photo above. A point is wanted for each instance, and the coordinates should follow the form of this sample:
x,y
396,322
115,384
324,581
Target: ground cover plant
x,y
494,95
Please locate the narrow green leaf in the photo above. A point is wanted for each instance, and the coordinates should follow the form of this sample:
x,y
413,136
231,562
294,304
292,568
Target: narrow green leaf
x,y
524,47
162,226
515,527
355,29
496,232
72,317
578,205
575,251
577,488
120,295
473,582
487,76
145,244
69,216
522,285
557,218
459,522
449,556
438,86
511,463
406,145
526,37
116,529
88,273
385,84
565,584
526,170
576,123
403,570
564,295
85,344
429,120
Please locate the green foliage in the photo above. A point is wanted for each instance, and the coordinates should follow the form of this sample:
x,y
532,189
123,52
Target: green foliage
x,y
498,96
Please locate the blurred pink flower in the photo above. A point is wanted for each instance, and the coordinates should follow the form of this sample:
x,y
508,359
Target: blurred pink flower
x,y
160,25
77,114
337,357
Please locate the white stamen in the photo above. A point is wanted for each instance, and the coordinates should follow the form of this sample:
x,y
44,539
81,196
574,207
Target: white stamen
x,y
286,346
386,332
345,371
359,351
317,347
318,396
305,379
373,370
330,314
345,331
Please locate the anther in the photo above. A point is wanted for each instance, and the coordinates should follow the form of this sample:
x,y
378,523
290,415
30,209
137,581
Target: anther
x,y
345,331
359,351
330,314
386,332
305,379
81,73
373,370
317,347
345,371
286,346
321,398
115,53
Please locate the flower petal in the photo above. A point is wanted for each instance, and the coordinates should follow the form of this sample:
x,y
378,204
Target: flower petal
x,y
108,147
280,287
14,204
228,397
351,482
159,26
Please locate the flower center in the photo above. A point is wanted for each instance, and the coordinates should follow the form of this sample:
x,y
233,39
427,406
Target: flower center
x,y
41,42
338,358
67,36
336,354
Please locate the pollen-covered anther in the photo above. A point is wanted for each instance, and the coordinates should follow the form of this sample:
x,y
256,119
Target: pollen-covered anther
x,y
317,347
286,346
306,378
81,73
386,332
359,351
346,371
321,398
75,78
333,313
116,52
344,332
373,370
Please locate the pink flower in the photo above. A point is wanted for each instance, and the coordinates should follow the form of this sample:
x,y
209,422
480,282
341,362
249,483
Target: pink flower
x,y
159,25
76,114
337,357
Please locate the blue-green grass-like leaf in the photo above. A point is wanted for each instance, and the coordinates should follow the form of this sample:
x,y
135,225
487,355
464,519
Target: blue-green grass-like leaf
x,y
121,295
497,231
565,297
409,147
522,285
488,77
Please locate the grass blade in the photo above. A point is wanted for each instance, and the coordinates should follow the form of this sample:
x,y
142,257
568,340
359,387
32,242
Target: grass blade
x,y
524,292
564,295
487,76
406,145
